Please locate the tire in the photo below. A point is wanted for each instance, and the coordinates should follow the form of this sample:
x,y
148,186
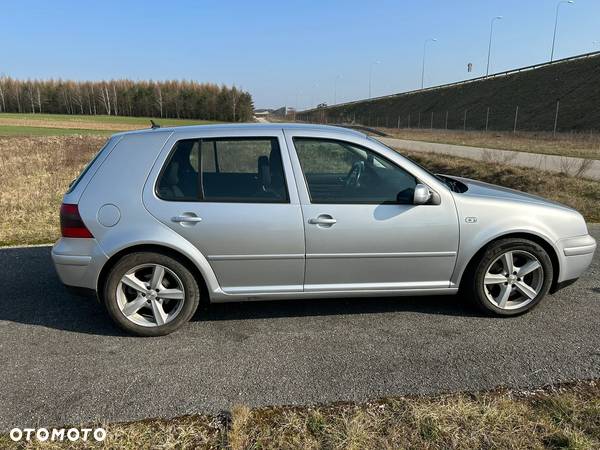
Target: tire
x,y
496,292
144,303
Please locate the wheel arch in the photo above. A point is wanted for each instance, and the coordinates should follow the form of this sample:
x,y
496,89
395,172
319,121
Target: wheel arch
x,y
153,248
545,244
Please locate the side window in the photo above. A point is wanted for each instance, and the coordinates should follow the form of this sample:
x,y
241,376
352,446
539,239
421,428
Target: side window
x,y
243,170
340,172
179,178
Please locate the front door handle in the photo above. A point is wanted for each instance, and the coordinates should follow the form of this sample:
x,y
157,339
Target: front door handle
x,y
186,219
323,219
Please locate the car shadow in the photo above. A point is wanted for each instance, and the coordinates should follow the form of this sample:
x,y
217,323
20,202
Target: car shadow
x,y
428,305
32,294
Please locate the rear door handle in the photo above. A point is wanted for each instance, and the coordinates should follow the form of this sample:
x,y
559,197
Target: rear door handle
x,y
186,219
323,219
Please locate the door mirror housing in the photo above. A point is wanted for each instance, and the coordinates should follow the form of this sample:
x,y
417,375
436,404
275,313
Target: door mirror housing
x,y
422,195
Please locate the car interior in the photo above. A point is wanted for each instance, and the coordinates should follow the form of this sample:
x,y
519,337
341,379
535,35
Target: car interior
x,y
253,174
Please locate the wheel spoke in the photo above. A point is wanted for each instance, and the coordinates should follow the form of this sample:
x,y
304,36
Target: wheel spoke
x,y
503,297
159,313
526,289
175,294
135,283
494,278
134,306
528,268
507,262
157,276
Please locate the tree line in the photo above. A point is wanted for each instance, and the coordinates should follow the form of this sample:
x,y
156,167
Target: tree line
x,y
168,99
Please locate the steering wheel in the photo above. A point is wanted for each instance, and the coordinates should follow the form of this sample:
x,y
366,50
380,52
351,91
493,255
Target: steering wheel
x,y
353,177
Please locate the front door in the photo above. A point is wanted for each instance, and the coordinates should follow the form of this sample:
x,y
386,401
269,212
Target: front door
x,y
230,198
362,230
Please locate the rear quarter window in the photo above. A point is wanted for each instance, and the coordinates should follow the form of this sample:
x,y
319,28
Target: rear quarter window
x,y
87,167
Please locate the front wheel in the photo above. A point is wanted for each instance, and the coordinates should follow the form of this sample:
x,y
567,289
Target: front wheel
x,y
150,294
511,277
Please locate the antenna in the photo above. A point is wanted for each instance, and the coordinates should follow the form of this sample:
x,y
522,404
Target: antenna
x,y
154,125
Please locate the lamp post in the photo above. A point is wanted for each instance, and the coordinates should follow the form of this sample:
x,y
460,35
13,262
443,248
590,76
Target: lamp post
x,y
569,2
423,68
487,71
337,77
312,95
371,74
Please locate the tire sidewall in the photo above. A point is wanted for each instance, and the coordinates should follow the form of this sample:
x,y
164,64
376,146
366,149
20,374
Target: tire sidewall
x,y
494,252
190,287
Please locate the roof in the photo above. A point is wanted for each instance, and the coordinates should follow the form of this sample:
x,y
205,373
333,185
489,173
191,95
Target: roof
x,y
248,126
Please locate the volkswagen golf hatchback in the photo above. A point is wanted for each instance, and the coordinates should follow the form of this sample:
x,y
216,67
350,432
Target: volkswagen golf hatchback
x,y
163,218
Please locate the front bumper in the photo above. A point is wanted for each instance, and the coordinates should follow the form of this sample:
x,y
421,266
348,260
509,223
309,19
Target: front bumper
x,y
78,262
576,256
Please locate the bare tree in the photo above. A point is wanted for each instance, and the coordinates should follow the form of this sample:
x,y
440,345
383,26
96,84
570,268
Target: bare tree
x,y
115,98
78,98
39,99
18,97
159,99
105,99
31,97
2,95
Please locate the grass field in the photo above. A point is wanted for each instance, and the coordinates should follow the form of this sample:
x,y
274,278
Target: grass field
x,y
61,124
35,172
580,145
561,417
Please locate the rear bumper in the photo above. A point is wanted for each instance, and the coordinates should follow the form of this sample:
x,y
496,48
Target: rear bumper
x,y
577,254
78,262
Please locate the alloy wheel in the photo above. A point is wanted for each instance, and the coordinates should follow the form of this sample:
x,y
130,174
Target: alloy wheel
x,y
513,280
150,295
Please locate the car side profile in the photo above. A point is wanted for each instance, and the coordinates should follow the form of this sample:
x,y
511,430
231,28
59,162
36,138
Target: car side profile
x,y
163,218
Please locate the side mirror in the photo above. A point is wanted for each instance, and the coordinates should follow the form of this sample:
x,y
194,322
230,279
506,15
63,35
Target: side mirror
x,y
422,194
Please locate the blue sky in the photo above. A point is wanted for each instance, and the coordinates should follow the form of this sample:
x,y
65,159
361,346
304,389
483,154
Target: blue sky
x,y
287,52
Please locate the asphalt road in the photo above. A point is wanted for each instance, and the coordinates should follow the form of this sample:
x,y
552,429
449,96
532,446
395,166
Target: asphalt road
x,y
63,362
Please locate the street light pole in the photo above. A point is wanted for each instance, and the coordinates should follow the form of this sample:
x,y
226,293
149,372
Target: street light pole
x,y
337,77
371,74
487,71
423,68
569,2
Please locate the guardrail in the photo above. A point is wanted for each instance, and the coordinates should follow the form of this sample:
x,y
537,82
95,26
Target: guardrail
x,y
456,83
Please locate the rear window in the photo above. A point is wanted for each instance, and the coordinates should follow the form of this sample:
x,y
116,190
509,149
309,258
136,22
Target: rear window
x,y
87,167
244,170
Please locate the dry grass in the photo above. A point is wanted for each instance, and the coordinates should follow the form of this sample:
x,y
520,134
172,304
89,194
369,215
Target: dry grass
x,y
36,171
34,174
581,145
560,417
579,193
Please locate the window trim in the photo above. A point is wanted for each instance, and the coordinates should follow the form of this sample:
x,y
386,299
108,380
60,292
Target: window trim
x,y
200,198
343,143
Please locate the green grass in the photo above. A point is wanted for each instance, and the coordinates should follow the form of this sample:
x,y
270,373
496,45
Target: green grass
x,y
12,124
11,130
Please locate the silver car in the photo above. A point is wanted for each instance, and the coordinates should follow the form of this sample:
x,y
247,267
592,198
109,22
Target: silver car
x,y
164,218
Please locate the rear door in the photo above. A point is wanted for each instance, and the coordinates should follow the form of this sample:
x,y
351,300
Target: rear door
x,y
232,198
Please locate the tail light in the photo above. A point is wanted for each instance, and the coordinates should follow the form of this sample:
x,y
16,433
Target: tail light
x,y
71,224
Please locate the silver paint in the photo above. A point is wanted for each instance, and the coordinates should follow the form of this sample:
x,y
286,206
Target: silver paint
x,y
300,250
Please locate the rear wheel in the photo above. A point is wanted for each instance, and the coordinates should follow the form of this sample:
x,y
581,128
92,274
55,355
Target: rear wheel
x,y
511,277
150,294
